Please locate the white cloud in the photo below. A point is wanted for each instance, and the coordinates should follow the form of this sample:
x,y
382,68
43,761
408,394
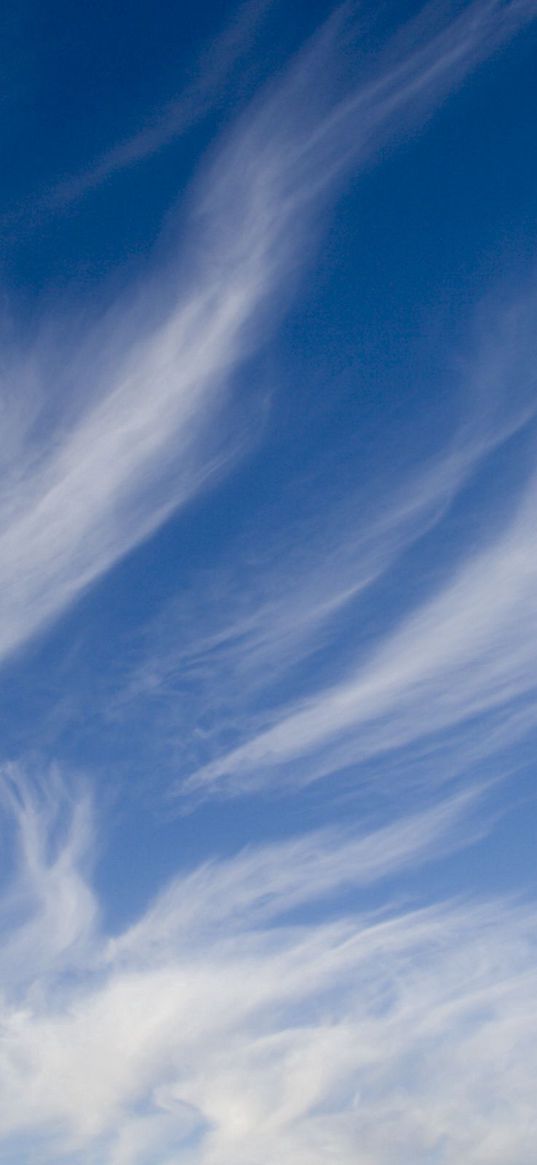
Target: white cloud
x,y
256,1012
49,910
141,393
361,1038
468,650
465,650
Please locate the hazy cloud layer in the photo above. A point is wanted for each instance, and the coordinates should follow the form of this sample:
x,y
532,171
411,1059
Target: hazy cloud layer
x,y
215,1028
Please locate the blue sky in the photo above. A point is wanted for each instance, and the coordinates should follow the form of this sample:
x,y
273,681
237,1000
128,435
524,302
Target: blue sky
x,y
268,579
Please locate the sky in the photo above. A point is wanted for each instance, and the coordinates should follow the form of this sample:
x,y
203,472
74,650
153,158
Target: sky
x,y
268,583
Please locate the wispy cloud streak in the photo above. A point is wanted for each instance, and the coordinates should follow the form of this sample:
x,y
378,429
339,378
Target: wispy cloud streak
x,y
467,651
146,386
308,998
182,1039
460,652
214,69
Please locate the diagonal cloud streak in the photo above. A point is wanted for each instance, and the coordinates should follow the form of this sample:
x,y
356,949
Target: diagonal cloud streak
x,y
468,651
214,69
461,653
151,385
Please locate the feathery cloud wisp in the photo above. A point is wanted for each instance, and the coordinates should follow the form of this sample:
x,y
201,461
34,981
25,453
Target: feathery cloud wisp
x,y
138,442
464,643
261,1038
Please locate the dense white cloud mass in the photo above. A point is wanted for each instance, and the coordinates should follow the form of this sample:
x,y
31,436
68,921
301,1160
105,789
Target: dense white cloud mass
x,y
219,1028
